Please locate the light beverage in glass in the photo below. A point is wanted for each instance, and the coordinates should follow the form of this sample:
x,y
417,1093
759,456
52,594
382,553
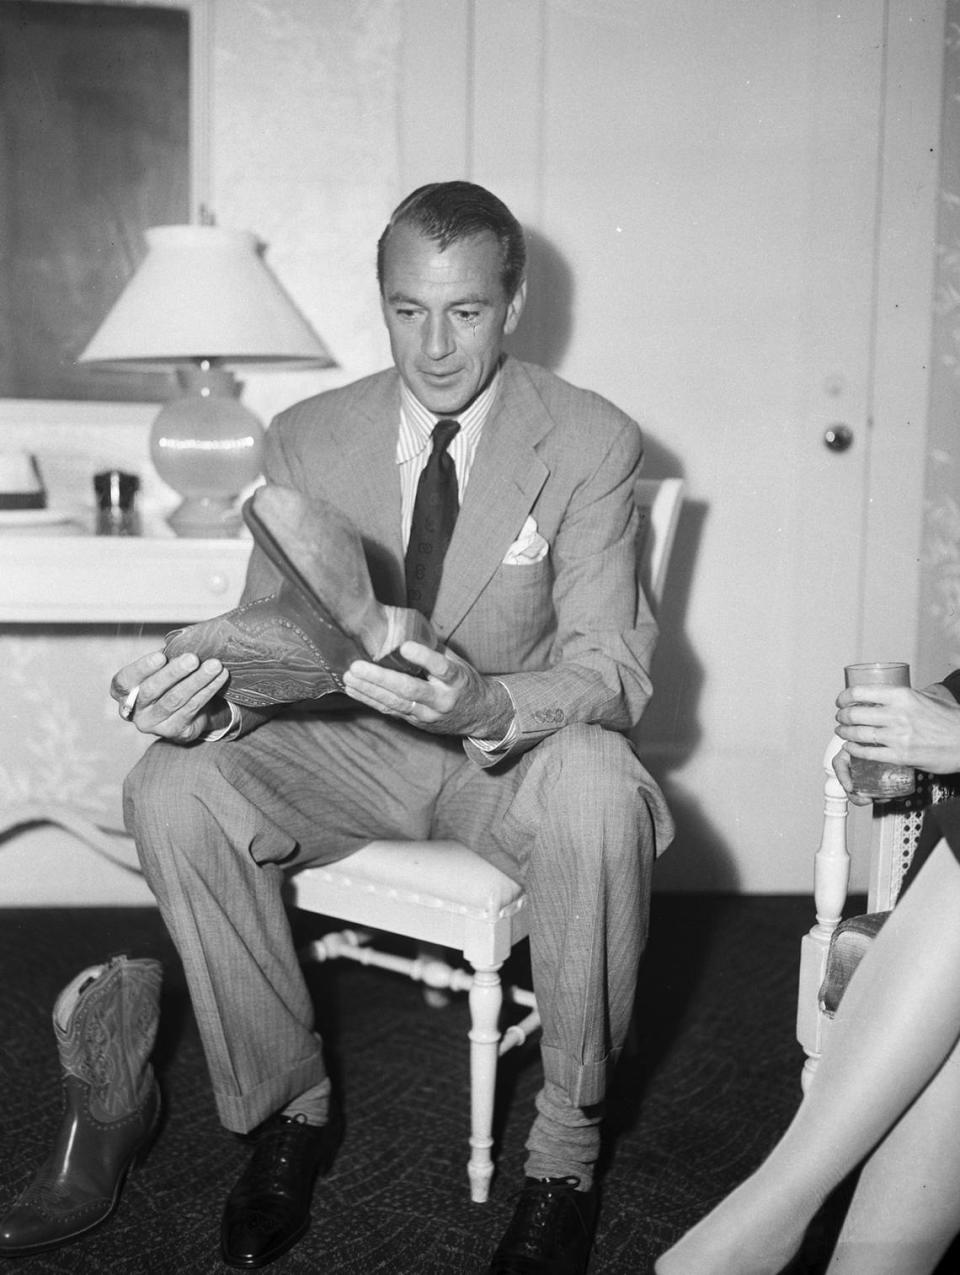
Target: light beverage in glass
x,y
879,780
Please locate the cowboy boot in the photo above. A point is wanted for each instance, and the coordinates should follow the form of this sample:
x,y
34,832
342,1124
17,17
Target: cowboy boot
x,y
105,1023
295,645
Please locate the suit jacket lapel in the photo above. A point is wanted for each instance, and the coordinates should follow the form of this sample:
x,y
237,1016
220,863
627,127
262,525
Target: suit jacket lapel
x,y
364,464
505,479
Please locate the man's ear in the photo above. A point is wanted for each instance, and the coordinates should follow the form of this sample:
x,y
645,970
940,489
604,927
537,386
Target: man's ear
x,y
515,308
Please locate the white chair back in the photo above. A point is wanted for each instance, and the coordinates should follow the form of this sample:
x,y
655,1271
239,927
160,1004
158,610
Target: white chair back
x,y
659,501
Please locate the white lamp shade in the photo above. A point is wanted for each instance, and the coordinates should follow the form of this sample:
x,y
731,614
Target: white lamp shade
x,y
204,292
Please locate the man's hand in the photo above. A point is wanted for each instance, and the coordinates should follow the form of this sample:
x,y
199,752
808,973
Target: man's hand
x,y
453,698
901,726
173,700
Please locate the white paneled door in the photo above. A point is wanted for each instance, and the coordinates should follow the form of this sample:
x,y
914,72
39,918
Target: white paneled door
x,y
732,210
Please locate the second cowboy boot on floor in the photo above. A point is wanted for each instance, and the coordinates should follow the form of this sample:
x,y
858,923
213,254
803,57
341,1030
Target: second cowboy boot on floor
x,y
105,1023
296,644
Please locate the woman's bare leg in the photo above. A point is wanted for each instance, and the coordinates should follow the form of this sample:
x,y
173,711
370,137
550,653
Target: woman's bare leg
x,y
906,1208
897,1025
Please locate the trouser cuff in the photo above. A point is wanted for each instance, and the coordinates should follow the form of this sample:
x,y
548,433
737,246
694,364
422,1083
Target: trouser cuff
x,y
241,1113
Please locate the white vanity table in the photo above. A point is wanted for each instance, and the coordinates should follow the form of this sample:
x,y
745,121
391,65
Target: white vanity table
x,y
87,579
75,606
66,582
62,573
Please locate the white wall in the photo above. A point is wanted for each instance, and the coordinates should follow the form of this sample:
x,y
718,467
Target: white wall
x,y
732,209
325,112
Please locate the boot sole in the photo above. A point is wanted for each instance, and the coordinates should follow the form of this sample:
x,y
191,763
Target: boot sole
x,y
420,629
294,577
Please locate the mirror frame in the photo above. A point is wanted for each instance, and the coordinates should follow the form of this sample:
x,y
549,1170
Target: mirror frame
x,y
60,412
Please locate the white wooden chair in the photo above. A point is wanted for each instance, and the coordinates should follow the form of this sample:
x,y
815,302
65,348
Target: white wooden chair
x,y
894,833
442,894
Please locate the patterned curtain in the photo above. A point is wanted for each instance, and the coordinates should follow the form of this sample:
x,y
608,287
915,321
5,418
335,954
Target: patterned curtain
x,y
939,645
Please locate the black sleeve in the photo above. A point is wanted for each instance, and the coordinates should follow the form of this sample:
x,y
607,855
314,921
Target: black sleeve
x,y
952,683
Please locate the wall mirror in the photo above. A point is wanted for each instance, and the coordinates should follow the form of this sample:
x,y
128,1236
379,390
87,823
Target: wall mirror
x,y
103,132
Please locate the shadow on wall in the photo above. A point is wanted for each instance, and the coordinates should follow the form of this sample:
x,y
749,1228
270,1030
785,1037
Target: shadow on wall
x,y
670,730
544,331
669,733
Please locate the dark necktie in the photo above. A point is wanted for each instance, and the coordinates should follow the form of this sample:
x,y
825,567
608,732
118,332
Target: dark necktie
x,y
434,515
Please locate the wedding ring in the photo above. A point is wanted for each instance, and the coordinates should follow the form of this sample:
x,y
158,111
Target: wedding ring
x,y
413,705
129,703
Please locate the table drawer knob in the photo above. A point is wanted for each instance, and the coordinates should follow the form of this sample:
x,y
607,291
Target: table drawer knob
x,y
218,583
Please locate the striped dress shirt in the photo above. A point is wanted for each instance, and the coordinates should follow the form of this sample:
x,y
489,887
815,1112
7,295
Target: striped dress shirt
x,y
413,444
413,452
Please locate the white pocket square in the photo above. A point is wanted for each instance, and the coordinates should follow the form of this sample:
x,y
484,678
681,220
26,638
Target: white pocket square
x,y
528,547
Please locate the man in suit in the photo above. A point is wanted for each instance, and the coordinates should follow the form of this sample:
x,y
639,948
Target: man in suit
x,y
511,739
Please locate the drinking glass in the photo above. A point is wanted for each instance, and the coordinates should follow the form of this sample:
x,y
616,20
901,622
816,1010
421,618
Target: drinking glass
x,y
116,498
879,780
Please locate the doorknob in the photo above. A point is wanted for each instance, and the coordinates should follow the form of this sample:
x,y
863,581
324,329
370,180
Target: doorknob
x,y
838,437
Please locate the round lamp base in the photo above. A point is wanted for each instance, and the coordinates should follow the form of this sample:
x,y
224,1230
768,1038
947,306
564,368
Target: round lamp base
x,y
208,447
207,518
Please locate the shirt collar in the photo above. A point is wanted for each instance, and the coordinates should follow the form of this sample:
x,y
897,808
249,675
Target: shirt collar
x,y
419,421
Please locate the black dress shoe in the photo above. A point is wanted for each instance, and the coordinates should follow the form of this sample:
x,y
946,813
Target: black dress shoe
x,y
551,1231
268,1210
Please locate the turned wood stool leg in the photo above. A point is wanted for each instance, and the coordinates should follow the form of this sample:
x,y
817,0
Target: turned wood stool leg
x,y
486,999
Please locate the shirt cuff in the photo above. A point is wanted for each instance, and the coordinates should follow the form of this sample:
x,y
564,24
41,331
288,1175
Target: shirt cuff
x,y
230,731
503,745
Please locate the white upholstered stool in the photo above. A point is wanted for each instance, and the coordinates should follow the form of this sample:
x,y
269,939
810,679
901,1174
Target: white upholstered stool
x,y
443,894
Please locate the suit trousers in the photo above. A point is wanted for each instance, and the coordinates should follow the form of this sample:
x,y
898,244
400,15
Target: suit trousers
x,y
217,826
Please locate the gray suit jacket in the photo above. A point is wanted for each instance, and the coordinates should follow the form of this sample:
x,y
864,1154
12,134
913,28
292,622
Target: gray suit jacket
x,y
570,635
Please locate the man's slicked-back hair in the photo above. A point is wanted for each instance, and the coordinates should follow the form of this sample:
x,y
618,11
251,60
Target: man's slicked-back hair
x,y
450,211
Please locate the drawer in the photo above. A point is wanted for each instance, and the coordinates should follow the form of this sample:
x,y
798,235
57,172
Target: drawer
x,y
102,579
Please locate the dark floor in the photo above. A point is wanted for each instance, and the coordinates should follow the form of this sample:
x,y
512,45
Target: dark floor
x,y
712,1079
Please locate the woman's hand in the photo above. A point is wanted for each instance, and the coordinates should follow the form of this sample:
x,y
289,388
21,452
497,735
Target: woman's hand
x,y
901,726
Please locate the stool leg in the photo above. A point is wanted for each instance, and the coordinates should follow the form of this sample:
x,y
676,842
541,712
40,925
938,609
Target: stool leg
x,y
486,999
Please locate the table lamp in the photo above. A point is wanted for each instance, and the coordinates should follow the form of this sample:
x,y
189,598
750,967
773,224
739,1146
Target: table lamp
x,y
203,300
